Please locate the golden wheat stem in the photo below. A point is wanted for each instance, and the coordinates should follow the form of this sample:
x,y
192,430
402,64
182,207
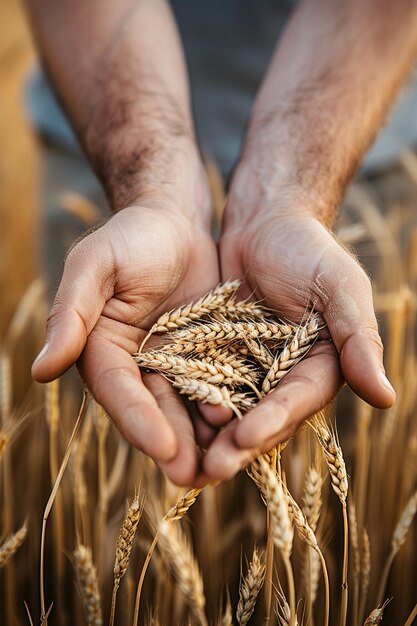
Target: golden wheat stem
x,y
398,539
344,602
53,419
354,540
101,512
50,503
269,568
410,619
291,589
142,578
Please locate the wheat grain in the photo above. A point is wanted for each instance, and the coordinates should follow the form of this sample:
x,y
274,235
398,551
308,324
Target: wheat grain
x,y
219,396
259,351
180,508
249,589
288,358
312,500
232,311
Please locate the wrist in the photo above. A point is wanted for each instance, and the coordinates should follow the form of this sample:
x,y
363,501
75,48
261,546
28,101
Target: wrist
x,y
151,159
262,190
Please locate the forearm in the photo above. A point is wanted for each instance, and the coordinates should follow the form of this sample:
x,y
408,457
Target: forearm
x,y
119,71
330,83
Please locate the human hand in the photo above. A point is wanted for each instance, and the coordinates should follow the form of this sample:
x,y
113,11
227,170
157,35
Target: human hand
x,y
143,261
292,263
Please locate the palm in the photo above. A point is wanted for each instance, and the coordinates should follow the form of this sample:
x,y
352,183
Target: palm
x,y
116,282
293,264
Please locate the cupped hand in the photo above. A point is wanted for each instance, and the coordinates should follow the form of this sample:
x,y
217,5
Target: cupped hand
x,y
293,263
116,282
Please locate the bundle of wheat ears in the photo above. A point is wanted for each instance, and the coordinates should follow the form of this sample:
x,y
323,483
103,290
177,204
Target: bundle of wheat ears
x,y
225,352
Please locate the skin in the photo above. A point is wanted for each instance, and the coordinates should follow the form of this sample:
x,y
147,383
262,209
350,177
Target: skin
x,y
327,90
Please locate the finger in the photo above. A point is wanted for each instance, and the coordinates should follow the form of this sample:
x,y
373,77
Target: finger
x,y
204,433
309,387
114,380
183,468
349,314
215,415
85,286
225,458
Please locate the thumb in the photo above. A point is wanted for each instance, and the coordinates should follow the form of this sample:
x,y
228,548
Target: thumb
x,y
350,317
85,286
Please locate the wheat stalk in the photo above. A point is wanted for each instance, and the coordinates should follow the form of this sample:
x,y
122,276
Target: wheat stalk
x,y
354,541
12,544
307,534
249,588
87,578
398,539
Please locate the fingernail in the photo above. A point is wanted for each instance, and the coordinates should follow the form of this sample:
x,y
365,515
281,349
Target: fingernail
x,y
41,354
386,382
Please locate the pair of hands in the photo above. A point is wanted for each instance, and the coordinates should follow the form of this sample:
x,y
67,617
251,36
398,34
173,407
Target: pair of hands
x,y
151,257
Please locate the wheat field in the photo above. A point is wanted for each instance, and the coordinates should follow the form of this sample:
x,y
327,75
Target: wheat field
x,y
321,531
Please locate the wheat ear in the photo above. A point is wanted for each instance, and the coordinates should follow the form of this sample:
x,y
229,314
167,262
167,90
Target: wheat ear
x,y
249,589
12,545
210,394
184,568
365,572
307,534
124,548
87,579
312,499
186,314
282,529
291,354
212,372
175,513
336,464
